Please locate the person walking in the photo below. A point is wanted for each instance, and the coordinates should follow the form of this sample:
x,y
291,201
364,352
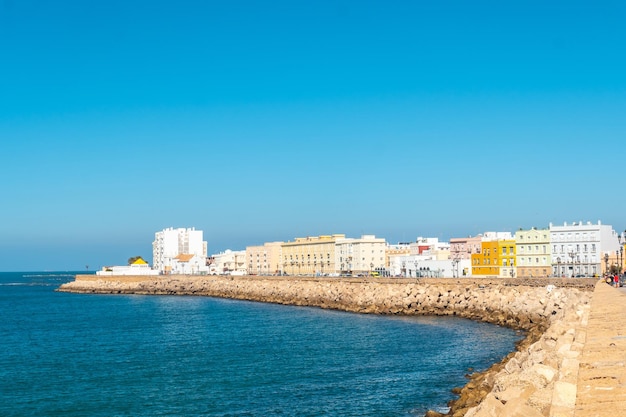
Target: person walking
x,y
616,280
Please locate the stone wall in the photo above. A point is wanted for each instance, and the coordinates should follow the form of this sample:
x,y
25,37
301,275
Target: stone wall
x,y
528,382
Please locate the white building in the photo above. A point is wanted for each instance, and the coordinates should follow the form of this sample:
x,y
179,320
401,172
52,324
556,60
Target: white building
x,y
430,246
427,266
138,267
360,256
170,243
578,248
229,262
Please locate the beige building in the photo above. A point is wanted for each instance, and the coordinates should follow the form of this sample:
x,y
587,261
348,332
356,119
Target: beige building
x,y
265,259
360,256
533,253
310,255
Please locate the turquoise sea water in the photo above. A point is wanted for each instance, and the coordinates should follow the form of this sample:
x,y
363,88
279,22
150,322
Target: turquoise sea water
x,y
126,355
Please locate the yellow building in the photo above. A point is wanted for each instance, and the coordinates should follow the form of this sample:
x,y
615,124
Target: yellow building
x,y
310,255
265,259
496,259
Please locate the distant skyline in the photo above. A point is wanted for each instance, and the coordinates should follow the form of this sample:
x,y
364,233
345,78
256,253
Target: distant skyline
x,y
263,122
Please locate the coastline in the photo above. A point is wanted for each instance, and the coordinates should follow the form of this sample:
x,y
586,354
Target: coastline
x,y
527,381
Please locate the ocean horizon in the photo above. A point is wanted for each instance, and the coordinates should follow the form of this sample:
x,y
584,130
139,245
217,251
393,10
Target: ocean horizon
x,y
70,354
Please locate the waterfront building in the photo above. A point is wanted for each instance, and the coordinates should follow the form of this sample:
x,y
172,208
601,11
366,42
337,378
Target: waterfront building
x,y
431,246
463,247
425,266
310,255
579,249
170,243
506,258
497,256
461,250
137,267
188,264
533,251
360,256
264,259
395,250
229,262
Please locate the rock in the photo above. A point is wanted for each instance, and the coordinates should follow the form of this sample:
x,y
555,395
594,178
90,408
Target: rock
x,y
564,394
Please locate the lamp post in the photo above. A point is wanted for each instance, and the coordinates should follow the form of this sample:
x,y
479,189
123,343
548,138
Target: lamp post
x,y
606,261
621,238
572,254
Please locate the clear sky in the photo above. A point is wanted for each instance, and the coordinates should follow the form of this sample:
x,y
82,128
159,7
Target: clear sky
x,y
262,121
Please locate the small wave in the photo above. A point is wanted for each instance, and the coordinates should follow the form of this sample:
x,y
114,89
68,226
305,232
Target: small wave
x,y
47,275
26,284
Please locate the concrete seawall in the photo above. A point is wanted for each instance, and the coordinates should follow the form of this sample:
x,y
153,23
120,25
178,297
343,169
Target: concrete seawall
x,y
538,379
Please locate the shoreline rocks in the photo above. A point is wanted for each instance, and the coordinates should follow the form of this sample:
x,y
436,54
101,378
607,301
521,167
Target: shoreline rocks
x,y
534,380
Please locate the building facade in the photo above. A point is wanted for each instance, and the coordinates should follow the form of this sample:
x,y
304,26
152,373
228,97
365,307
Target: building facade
x,y
362,256
533,251
265,259
393,251
170,242
580,249
496,259
310,255
229,262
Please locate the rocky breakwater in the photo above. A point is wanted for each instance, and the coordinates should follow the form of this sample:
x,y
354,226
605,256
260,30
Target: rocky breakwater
x,y
538,379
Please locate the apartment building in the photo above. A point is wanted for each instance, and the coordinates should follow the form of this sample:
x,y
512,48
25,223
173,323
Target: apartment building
x,y
360,256
533,251
580,249
265,259
497,256
310,255
170,243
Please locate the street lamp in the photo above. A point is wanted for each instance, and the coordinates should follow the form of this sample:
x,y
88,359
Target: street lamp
x,y
572,254
621,238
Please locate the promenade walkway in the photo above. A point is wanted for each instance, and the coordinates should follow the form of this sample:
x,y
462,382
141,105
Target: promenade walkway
x,y
601,387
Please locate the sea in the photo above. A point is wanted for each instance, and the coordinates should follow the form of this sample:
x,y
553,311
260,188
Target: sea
x,y
65,354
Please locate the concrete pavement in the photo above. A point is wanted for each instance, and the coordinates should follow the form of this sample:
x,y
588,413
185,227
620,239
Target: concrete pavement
x,y
601,388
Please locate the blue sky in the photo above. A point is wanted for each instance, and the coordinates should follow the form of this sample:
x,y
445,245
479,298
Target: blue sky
x,y
264,121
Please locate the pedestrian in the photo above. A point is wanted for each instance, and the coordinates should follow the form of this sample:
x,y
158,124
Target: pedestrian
x,y
616,280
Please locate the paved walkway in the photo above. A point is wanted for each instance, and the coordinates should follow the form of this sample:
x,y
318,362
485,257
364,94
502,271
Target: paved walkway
x,y
601,388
